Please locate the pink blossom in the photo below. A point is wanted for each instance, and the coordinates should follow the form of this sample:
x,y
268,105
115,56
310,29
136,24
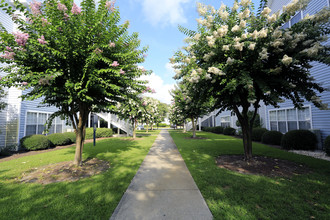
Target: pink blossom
x,y
66,16
8,55
110,5
75,9
9,48
61,7
115,63
21,38
44,21
35,7
153,91
111,44
122,71
24,83
42,40
144,103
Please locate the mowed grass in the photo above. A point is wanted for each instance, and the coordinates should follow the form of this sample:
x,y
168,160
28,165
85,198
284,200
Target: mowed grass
x,y
90,198
231,195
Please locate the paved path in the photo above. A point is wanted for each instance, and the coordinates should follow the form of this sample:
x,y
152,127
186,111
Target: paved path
x,y
162,188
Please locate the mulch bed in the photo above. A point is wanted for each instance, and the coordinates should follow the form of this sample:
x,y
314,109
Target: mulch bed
x,y
64,171
261,165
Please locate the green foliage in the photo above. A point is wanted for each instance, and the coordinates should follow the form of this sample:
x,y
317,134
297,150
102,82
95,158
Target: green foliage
x,y
272,137
100,132
299,140
257,121
35,142
7,151
162,125
229,131
327,145
257,133
216,130
71,136
59,139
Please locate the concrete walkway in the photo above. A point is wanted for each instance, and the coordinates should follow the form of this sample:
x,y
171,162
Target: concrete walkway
x,y
162,188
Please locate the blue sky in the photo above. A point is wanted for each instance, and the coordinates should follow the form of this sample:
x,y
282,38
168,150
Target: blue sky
x,y
157,21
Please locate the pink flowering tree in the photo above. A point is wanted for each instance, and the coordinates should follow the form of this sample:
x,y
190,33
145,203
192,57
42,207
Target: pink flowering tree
x,y
77,58
242,59
151,112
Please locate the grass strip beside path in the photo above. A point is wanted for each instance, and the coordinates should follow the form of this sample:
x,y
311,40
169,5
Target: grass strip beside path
x,y
231,195
90,198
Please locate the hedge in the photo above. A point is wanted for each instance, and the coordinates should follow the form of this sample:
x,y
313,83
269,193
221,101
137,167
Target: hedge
x,y
272,137
327,145
299,140
71,136
59,139
36,142
229,131
217,130
257,133
100,132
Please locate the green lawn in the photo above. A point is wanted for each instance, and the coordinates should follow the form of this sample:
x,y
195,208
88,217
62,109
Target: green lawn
x,y
231,195
90,198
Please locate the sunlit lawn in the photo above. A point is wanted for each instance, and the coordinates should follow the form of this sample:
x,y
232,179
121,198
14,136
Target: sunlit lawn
x,y
231,195
91,198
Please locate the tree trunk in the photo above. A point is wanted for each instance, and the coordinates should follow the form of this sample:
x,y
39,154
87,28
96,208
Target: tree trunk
x,y
147,127
246,125
80,136
193,127
134,128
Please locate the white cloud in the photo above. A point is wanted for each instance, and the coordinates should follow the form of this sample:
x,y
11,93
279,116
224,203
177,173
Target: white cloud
x,y
162,90
169,70
164,12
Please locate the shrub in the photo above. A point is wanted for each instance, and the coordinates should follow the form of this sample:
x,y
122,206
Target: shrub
x,y
327,145
100,132
7,151
207,129
218,130
71,136
229,131
257,133
299,140
104,132
59,139
162,125
272,137
36,142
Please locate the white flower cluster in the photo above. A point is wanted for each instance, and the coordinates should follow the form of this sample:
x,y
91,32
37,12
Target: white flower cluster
x,y
202,10
252,46
230,61
294,6
286,60
208,56
210,41
265,12
216,71
245,3
223,14
313,50
263,54
239,46
259,34
194,77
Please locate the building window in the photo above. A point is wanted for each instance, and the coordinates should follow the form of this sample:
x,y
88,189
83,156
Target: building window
x,y
35,123
285,120
225,121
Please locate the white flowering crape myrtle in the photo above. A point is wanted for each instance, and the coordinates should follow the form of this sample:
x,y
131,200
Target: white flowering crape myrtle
x,y
241,58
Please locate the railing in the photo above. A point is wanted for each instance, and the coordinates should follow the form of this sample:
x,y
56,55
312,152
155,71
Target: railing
x,y
116,121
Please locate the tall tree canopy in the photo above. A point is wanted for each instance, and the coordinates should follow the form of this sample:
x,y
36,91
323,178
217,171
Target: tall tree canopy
x,y
241,58
77,59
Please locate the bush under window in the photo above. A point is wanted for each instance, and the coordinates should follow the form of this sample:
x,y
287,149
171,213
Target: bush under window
x,y
299,140
272,137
